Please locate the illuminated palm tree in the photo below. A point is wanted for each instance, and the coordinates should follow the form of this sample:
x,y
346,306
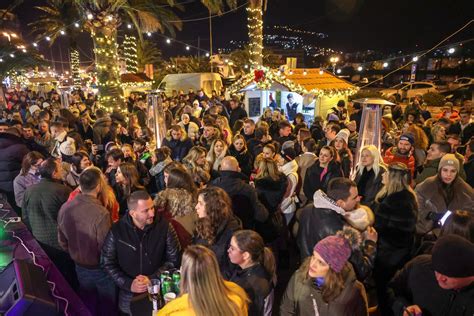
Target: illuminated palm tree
x,y
102,20
255,25
60,17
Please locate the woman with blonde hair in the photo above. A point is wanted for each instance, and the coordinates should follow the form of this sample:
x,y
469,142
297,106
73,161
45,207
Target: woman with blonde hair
x,y
196,158
438,133
368,175
217,152
421,144
271,185
223,124
396,211
203,290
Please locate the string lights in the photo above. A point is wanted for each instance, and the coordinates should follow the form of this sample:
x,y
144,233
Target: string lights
x,y
130,53
255,28
271,76
76,77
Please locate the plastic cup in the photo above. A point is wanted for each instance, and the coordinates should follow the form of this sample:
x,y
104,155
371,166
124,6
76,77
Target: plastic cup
x,y
169,297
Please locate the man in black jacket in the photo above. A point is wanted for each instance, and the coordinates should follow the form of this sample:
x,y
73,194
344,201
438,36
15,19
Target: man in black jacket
x,y
326,217
237,112
440,284
138,248
244,198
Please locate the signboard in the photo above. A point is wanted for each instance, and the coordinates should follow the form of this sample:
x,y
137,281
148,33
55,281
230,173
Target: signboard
x,y
254,107
413,73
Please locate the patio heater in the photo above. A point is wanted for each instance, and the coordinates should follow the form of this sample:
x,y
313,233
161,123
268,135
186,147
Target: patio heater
x,y
370,125
156,116
64,97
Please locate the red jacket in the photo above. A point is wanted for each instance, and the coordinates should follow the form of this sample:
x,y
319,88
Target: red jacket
x,y
392,156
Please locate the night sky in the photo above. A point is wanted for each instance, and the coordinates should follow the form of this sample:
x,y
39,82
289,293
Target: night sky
x,y
351,25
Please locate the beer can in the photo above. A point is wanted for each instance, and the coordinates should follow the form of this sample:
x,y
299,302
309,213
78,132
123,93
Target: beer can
x,y
163,275
176,280
167,285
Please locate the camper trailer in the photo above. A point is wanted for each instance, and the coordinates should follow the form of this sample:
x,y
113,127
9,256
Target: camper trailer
x,y
206,81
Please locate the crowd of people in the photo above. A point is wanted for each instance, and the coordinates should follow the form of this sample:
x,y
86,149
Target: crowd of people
x,y
228,200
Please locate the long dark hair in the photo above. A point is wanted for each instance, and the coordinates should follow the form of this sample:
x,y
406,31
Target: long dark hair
x,y
30,160
76,161
218,210
251,242
179,178
459,223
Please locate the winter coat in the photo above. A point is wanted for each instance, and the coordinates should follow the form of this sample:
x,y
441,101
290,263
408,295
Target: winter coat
x,y
290,170
303,297
431,200
368,184
12,151
157,172
72,177
346,162
101,130
304,161
128,252
391,156
469,169
313,182
244,158
271,193
245,203
179,148
324,218
83,224
192,129
238,113
21,183
40,209
85,132
181,306
429,169
257,283
221,244
416,284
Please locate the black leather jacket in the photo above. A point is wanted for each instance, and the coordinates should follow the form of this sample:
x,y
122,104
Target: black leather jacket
x,y
318,223
128,252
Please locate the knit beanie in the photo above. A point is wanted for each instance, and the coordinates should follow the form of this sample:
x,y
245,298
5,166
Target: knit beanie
x,y
408,137
449,160
344,135
68,147
453,256
335,250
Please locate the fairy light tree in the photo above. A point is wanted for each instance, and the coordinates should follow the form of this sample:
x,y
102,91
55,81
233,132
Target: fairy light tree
x,y
102,20
255,27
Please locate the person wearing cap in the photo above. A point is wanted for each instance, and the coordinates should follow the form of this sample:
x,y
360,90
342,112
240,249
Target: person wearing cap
x,y
328,214
339,111
442,192
448,112
437,284
402,152
430,168
345,155
291,107
326,284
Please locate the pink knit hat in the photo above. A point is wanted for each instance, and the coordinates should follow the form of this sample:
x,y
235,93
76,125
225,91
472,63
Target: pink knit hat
x,y
335,250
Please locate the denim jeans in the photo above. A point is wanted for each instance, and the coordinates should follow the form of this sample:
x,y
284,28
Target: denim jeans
x,y
97,291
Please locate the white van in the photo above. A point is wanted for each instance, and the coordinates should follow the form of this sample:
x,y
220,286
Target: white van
x,y
196,81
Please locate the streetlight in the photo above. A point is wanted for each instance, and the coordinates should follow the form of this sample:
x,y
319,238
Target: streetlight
x,y
359,68
339,71
415,59
129,26
334,61
385,65
451,50
76,24
187,48
149,34
35,45
168,41
207,54
48,38
62,32
90,16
